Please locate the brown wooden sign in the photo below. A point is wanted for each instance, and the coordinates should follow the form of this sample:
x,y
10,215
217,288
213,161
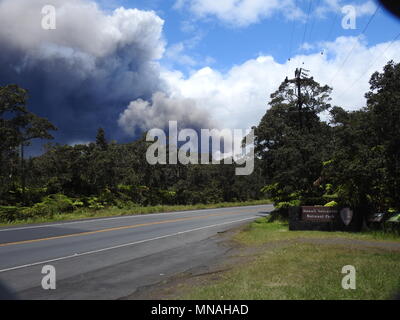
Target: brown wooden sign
x,y
319,214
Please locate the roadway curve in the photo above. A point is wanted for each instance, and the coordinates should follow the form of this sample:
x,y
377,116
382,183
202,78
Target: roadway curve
x,y
111,258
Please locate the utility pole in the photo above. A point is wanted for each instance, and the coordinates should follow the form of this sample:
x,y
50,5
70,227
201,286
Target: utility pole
x,y
300,74
299,98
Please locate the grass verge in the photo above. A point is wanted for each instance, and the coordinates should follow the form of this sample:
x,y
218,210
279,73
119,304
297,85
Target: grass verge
x,y
299,265
262,231
114,211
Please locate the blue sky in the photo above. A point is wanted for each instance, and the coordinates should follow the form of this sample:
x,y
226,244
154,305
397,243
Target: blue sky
x,y
229,42
222,44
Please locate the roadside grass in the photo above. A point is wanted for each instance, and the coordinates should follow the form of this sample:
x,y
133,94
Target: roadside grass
x,y
262,231
286,268
80,214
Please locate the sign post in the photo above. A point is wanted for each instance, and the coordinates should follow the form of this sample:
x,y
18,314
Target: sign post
x,y
322,218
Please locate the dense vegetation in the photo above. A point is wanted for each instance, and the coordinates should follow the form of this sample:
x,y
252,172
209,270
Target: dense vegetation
x,y
101,174
351,159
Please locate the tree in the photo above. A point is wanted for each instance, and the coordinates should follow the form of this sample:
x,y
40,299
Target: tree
x,y
18,127
365,167
101,141
292,143
353,175
355,160
383,103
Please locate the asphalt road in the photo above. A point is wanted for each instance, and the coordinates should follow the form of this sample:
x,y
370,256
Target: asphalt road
x,y
112,258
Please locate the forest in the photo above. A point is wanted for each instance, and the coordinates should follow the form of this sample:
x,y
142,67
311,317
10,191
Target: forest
x,y
317,155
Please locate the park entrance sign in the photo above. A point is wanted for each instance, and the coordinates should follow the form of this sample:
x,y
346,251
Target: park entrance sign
x,y
323,219
318,214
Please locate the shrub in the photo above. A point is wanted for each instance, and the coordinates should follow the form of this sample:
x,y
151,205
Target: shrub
x,y
106,198
38,210
276,193
288,204
125,204
51,205
331,204
61,202
137,194
78,204
9,213
95,204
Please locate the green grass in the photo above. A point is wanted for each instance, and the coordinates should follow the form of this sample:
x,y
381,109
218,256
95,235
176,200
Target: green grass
x,y
262,231
114,211
286,268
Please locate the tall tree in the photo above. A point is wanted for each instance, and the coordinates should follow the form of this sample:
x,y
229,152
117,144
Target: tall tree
x,y
290,144
383,102
101,141
365,167
18,127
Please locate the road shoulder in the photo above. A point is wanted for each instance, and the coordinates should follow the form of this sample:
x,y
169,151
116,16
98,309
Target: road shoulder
x,y
278,264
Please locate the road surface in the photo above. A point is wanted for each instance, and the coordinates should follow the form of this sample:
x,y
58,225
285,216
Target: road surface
x,y
111,258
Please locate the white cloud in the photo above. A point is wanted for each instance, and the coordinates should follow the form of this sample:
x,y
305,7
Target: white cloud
x,y
81,26
82,73
245,12
119,52
144,115
306,46
240,12
183,54
176,54
366,8
239,97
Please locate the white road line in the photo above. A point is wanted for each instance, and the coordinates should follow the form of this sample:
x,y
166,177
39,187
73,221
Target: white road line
x,y
123,217
120,246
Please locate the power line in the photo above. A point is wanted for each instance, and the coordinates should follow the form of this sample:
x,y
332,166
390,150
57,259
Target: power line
x,y
314,18
354,46
291,36
372,18
372,64
308,19
331,28
290,48
306,25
